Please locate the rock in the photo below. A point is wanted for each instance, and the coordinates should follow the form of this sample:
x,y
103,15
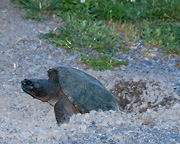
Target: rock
x,y
24,135
176,106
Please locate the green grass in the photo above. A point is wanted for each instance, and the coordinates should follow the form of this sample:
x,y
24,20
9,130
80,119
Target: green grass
x,y
164,35
108,25
161,34
102,62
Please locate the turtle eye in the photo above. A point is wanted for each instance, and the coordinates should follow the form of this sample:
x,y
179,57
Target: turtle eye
x,y
28,82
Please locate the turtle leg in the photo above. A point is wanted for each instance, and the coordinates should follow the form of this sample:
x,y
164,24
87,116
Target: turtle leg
x,y
64,109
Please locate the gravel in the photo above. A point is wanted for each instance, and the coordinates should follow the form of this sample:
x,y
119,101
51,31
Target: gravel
x,y
148,90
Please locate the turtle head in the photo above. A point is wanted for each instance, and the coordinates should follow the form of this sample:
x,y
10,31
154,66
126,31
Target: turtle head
x,y
42,89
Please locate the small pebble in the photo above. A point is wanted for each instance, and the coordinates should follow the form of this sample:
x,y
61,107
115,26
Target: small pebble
x,y
72,57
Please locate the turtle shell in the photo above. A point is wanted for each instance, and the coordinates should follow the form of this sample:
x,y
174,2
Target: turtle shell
x,y
83,90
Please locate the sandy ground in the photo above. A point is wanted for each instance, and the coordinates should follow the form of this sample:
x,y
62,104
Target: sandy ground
x,y
27,120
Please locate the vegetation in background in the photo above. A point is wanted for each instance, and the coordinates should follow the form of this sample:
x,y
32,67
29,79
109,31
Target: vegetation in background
x,y
165,35
108,25
109,9
84,34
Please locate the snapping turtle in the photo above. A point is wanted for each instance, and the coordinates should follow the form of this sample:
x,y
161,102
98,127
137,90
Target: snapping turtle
x,y
70,91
